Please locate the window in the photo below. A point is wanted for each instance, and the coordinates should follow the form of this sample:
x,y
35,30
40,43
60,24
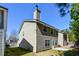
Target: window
x,y
55,33
45,29
1,19
47,43
55,42
52,32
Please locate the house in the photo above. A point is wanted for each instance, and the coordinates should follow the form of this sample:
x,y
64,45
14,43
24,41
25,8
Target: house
x,y
3,28
12,41
63,38
36,35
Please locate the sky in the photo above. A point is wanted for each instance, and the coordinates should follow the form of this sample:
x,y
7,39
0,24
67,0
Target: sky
x,y
17,12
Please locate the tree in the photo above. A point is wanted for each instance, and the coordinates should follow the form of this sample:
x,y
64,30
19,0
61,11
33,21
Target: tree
x,y
74,24
13,38
71,36
75,21
64,8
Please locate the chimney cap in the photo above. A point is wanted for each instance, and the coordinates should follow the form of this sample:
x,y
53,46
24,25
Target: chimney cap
x,y
37,8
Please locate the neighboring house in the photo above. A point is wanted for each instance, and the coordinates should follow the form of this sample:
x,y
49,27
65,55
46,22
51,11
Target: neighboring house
x,y
3,28
62,39
12,42
36,35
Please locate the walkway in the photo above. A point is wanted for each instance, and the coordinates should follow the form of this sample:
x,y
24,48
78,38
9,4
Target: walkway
x,y
62,49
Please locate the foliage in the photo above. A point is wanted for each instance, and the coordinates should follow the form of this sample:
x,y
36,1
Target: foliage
x,y
71,53
74,14
71,36
64,8
75,21
7,46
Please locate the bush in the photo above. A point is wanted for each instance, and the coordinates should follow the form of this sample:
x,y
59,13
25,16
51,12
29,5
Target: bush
x,y
71,53
7,46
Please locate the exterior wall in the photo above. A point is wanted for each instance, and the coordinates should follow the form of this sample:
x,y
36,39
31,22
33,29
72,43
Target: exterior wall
x,y
54,42
1,43
34,38
29,32
41,40
60,39
49,31
3,31
65,39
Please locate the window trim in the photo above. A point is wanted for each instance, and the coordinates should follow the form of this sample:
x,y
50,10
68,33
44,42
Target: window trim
x,y
45,30
47,43
2,19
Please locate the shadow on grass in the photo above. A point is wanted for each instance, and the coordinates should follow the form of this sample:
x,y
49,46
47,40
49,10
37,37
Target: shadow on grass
x,y
71,53
15,51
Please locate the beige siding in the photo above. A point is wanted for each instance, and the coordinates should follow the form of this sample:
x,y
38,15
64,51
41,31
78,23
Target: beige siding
x,y
41,40
48,30
1,42
3,32
29,31
60,39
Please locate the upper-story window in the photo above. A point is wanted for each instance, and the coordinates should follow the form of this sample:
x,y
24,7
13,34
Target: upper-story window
x,y
45,29
51,32
54,32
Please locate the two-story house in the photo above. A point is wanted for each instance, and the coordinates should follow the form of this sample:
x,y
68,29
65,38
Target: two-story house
x,y
36,35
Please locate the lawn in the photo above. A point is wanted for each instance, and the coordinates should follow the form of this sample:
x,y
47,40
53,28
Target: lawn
x,y
22,52
71,53
58,53
49,53
17,52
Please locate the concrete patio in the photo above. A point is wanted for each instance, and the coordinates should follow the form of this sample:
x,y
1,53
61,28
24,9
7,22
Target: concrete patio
x,y
61,48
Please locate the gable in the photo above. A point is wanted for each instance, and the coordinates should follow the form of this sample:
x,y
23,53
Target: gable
x,y
24,22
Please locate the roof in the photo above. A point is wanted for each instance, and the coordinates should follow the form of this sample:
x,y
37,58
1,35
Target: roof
x,y
38,22
3,7
48,25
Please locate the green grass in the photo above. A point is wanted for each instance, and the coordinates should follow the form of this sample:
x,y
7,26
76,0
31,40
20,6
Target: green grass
x,y
64,53
28,54
71,53
22,52
56,52
17,52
